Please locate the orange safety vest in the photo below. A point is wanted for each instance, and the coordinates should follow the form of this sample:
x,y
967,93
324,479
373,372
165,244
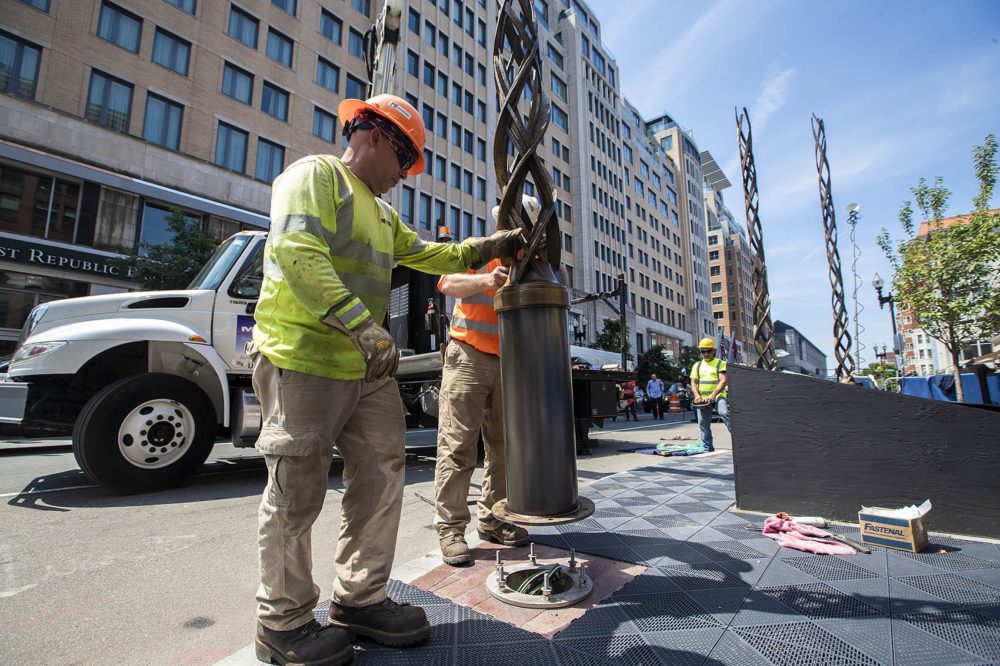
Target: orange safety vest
x,y
474,321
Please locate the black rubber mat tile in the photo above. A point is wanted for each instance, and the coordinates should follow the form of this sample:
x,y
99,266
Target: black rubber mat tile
x,y
728,549
761,609
956,561
986,576
703,576
803,643
568,656
873,591
738,532
684,647
688,507
530,653
668,554
604,619
731,650
617,649
899,565
664,611
778,573
966,629
906,599
820,601
426,655
403,592
829,568
582,540
472,627
868,635
722,603
749,571
954,588
652,581
912,646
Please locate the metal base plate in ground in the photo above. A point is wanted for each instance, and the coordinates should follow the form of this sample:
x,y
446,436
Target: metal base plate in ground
x,y
584,509
580,589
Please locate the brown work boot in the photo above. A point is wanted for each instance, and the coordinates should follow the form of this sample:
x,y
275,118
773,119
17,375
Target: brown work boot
x,y
309,645
505,534
386,622
455,551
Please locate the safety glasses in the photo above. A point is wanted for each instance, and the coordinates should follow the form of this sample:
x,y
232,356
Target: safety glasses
x,y
707,351
404,153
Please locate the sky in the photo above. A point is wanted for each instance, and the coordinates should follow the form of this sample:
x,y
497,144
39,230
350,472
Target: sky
x,y
905,89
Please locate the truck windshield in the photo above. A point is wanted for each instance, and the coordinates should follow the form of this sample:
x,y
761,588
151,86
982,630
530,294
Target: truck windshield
x,y
214,272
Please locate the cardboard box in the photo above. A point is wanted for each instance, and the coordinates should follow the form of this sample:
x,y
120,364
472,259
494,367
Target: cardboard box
x,y
909,534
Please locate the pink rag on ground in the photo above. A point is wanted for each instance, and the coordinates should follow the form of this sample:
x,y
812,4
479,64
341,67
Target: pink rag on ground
x,y
791,535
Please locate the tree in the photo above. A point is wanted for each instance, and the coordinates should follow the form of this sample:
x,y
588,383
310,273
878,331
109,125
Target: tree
x,y
610,339
655,362
948,276
688,357
881,371
174,263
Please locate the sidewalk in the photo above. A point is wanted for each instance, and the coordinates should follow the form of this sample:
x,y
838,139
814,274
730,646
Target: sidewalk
x,y
716,591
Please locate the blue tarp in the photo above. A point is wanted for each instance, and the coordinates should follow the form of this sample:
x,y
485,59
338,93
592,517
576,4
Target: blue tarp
x,y
942,387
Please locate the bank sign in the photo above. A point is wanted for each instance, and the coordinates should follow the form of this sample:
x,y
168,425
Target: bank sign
x,y
54,256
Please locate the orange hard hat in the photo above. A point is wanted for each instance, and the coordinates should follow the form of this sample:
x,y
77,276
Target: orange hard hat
x,y
397,111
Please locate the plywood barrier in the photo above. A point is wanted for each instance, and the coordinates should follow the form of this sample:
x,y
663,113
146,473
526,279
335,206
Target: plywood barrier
x,y
814,447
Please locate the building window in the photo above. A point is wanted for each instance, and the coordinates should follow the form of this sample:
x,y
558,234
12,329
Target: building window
x,y
37,205
481,189
184,5
109,102
162,124
327,74
324,125
406,210
428,74
231,148
270,160
425,211
363,6
242,27
560,118
38,4
274,101
481,149
287,6
171,51
155,228
413,21
330,27
356,44
18,66
279,47
355,88
237,83
119,27
558,87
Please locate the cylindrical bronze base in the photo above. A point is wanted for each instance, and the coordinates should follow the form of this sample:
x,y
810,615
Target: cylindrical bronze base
x,y
537,399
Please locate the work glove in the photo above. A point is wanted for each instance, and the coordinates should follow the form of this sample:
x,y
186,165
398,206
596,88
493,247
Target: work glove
x,y
377,348
503,244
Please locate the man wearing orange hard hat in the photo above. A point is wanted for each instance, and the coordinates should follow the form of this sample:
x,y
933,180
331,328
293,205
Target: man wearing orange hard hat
x,y
323,370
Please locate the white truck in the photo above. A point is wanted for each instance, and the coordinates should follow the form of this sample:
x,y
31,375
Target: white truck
x,y
147,381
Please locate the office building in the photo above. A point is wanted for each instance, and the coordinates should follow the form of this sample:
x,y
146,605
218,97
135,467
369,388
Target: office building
x,y
796,353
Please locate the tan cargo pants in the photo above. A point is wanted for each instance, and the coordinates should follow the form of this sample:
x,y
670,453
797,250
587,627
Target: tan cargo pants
x,y
303,416
470,402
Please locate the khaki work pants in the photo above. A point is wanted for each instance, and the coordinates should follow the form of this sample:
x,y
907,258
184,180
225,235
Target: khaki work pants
x,y
303,416
470,403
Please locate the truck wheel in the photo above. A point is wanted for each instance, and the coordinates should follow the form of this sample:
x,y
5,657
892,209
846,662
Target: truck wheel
x,y
144,432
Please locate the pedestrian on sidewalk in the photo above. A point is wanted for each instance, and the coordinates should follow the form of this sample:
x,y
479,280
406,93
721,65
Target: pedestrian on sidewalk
x,y
471,404
628,395
654,390
323,371
708,376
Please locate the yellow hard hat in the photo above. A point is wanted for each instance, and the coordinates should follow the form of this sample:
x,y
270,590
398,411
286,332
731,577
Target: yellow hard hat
x,y
706,343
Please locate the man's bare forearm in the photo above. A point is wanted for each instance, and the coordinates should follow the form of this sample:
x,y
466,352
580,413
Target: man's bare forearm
x,y
463,285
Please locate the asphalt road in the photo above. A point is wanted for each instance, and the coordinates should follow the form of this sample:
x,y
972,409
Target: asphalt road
x,y
89,577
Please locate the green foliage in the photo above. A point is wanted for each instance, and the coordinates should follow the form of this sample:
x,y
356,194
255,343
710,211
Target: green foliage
x,y
689,356
610,339
173,264
880,371
948,278
655,362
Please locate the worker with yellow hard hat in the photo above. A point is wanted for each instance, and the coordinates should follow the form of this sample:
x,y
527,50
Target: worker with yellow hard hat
x,y
323,370
708,386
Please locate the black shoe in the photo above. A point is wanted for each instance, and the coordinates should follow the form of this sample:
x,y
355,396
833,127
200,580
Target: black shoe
x,y
310,645
386,622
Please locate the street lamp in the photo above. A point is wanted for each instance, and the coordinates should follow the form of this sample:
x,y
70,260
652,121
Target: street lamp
x,y
881,355
879,283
